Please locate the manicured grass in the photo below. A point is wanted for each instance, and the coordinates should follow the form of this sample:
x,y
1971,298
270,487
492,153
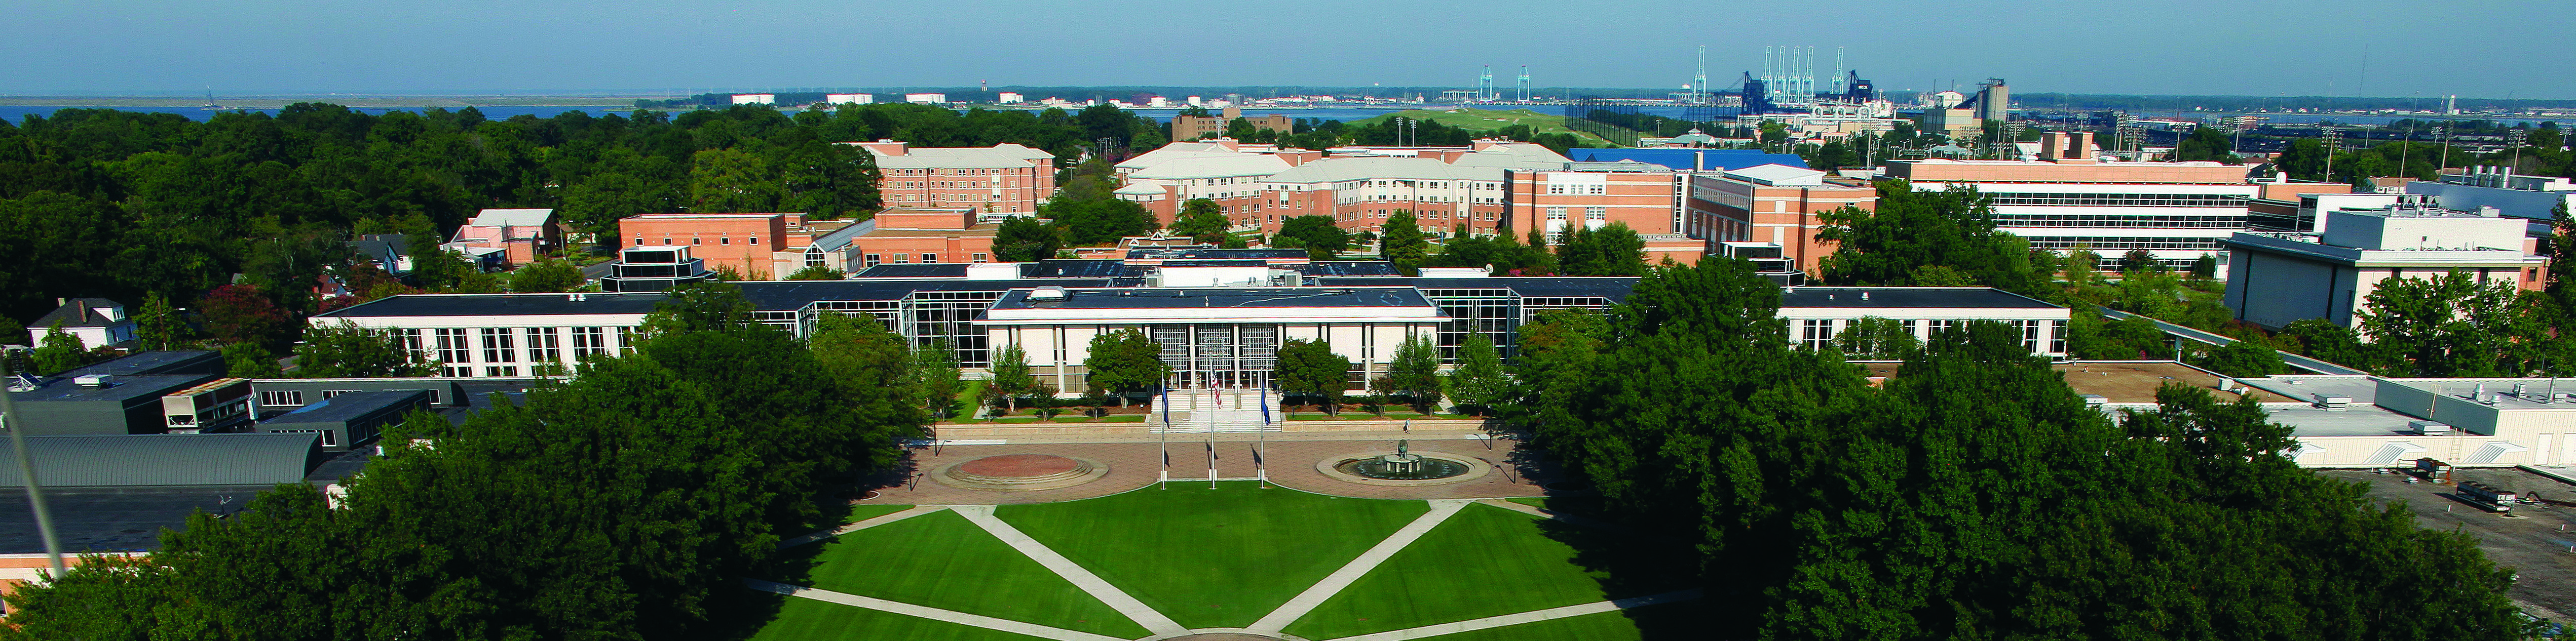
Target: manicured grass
x,y
1539,502
801,619
1491,119
1598,626
1213,557
1124,418
942,561
1017,419
864,512
1485,561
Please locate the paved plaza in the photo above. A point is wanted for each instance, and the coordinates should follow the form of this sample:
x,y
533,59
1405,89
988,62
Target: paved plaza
x,y
1287,458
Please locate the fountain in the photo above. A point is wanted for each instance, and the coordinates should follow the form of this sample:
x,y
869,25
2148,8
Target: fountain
x,y
1403,465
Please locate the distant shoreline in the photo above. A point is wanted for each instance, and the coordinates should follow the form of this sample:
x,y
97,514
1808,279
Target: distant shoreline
x,y
362,102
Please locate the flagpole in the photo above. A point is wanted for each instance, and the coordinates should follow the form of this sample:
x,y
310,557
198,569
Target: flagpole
x,y
1261,438
1164,482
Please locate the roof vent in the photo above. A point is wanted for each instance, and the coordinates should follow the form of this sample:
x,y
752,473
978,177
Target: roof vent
x,y
1864,295
1047,293
2331,402
95,380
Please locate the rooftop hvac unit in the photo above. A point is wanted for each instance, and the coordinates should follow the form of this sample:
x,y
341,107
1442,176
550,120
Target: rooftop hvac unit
x,y
2428,428
95,380
2096,401
2332,402
1047,293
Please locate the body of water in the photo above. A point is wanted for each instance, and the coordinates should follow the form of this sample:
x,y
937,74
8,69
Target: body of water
x,y
16,114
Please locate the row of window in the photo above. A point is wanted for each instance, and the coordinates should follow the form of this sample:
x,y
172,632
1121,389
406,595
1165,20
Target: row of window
x,y
1589,213
964,171
2002,199
295,397
927,258
1819,333
2101,244
457,345
1577,189
720,240
2114,220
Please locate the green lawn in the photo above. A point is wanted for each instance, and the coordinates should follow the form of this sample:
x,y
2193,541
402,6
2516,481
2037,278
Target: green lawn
x,y
1213,558
1486,561
1599,626
810,620
1492,119
942,561
862,512
1539,502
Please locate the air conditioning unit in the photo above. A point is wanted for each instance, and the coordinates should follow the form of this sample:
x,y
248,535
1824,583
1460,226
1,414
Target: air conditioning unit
x,y
2428,428
2332,402
95,380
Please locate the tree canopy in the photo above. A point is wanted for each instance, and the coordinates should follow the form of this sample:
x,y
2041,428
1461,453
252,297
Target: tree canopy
x,y
1910,230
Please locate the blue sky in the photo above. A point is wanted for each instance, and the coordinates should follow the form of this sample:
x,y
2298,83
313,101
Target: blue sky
x,y
2264,48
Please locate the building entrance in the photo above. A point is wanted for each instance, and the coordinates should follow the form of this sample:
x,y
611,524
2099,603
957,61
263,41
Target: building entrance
x,y
1219,355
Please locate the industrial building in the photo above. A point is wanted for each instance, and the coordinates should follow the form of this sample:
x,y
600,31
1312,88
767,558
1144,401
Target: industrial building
x,y
349,419
2274,279
167,460
2370,421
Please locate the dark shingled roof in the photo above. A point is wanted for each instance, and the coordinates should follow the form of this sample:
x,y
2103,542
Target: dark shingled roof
x,y
1908,297
1222,298
78,312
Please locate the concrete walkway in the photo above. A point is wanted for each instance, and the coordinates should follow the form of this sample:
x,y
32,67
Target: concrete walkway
x,y
951,616
1116,599
916,510
1567,519
1518,618
1441,510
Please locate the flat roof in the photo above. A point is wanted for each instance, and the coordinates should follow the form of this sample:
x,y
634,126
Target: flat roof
x,y
1206,253
2358,419
1614,288
1909,297
349,406
913,270
501,305
121,388
2136,382
146,363
1212,298
2362,389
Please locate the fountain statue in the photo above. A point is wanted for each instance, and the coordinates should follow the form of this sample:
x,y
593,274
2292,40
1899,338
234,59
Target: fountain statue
x,y
1403,465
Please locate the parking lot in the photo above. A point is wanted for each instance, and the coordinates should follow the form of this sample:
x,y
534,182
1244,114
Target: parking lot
x,y
2532,539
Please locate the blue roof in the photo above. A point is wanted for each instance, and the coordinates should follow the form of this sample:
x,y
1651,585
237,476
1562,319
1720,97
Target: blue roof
x,y
1686,159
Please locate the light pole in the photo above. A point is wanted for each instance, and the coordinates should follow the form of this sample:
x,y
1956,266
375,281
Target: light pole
x,y
17,426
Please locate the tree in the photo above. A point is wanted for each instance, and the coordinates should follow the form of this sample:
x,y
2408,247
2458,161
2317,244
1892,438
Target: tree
x,y
817,272
250,360
1317,234
1125,362
2092,337
1400,242
731,181
2244,358
1612,250
157,325
2205,267
59,351
1085,223
1202,221
1480,382
1011,378
547,276
1414,373
2205,144
1311,369
1953,228
2444,326
1875,338
240,313
2140,260
936,378
349,351
871,366
2082,266
1023,239
2324,340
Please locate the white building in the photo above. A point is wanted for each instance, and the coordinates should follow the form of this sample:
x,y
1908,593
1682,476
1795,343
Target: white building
x,y
96,322
1009,98
2369,421
926,98
850,98
755,99
2519,196
2068,200
1816,315
2276,279
1221,315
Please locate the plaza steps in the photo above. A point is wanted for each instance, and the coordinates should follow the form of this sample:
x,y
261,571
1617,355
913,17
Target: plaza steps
x,y
1214,410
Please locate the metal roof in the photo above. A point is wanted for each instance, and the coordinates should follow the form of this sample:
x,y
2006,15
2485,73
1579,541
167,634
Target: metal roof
x,y
1001,155
154,362
1909,297
168,459
512,217
350,406
120,389
1247,297
911,270
1690,159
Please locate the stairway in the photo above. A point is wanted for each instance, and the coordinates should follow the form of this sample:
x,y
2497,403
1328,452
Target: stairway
x,y
1215,410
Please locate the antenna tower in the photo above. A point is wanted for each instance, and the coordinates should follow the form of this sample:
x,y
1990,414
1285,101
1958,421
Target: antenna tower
x,y
1524,83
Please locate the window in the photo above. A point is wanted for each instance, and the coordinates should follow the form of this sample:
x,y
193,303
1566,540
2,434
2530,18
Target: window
x,y
728,240
329,394
625,340
543,345
1817,334
330,438
1596,213
813,257
979,257
902,259
639,241
588,342
694,241
2057,337
411,343
755,240
929,258
281,398
1556,213
501,372
498,347
871,260
452,346
456,372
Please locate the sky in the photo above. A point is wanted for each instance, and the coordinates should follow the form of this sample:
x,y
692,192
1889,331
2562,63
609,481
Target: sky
x,y
413,47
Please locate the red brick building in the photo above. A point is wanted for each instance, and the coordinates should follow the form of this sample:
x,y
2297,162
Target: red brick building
x,y
1001,179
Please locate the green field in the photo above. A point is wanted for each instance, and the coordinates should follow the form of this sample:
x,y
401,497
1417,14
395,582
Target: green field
x,y
1493,119
950,564
1225,557
1213,558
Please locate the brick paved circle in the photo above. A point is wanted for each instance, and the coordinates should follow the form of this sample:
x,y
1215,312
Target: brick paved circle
x,y
1018,466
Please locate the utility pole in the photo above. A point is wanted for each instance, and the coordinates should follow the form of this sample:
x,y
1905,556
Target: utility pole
x,y
2334,143
17,426
2438,138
